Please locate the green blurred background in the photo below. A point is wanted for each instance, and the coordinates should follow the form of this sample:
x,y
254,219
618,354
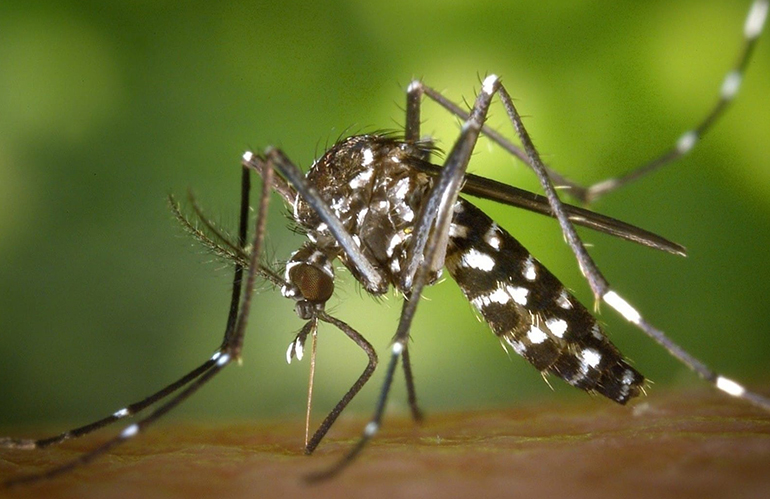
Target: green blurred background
x,y
106,107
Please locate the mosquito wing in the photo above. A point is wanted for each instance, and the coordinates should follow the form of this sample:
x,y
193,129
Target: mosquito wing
x,y
513,196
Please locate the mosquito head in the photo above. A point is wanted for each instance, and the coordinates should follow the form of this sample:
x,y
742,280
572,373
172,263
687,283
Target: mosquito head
x,y
309,280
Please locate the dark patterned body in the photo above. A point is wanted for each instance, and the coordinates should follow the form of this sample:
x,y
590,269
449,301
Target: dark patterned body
x,y
369,184
530,310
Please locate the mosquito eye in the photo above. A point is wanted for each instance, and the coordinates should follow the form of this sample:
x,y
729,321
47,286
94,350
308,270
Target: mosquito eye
x,y
313,283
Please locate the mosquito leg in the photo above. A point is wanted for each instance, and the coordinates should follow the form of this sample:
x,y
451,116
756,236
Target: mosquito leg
x,y
243,222
417,86
230,350
411,393
129,431
372,427
599,284
436,212
233,341
136,407
753,27
414,94
353,391
412,133
444,193
278,160
413,104
374,280
129,410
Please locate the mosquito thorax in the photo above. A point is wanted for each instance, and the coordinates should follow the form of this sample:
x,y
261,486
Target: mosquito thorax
x,y
370,185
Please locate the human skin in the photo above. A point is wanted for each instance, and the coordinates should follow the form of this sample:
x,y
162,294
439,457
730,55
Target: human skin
x,y
675,444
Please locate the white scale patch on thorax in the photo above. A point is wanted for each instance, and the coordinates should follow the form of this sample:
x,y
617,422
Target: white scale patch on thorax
x,y
401,189
368,157
341,205
362,178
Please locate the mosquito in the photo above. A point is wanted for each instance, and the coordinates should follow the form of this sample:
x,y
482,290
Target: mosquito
x,y
380,206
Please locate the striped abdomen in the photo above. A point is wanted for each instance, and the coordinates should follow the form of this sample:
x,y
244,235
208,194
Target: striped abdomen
x,y
530,310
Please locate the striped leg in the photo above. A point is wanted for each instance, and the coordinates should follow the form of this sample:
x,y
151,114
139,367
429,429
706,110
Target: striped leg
x,y
753,27
427,255
230,350
601,287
